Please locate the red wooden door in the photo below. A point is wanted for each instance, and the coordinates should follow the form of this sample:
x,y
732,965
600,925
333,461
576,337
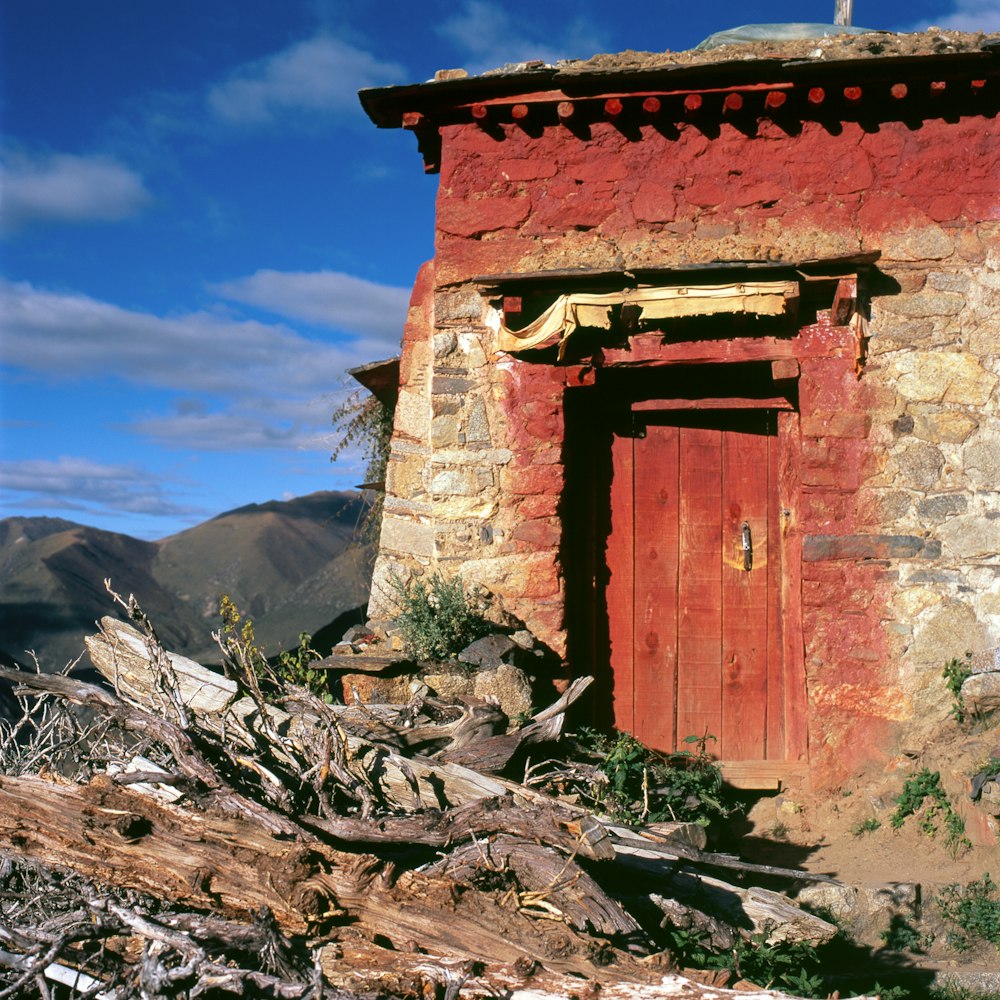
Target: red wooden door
x,y
696,644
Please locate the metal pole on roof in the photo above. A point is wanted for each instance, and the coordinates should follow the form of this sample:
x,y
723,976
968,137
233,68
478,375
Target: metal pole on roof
x,y
843,12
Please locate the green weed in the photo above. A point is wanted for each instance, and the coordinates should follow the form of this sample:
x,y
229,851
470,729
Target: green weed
x,y
902,936
956,673
869,825
646,786
974,910
239,644
924,791
436,617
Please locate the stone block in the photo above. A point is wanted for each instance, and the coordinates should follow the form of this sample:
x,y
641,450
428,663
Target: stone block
x,y
540,534
443,344
835,423
455,483
449,385
982,458
926,304
464,306
971,536
508,685
944,505
948,426
407,537
942,377
920,465
372,689
412,415
445,431
489,651
981,693
864,911
818,548
476,425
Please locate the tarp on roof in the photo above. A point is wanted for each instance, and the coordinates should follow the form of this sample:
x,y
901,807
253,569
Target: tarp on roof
x,y
778,33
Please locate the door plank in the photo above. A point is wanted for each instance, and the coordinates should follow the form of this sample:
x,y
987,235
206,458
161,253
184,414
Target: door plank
x,y
744,593
795,704
699,640
620,590
776,728
655,615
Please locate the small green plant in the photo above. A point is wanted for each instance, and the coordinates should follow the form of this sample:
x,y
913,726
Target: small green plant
x,y
294,665
786,965
779,831
900,935
924,792
888,992
645,786
956,673
974,909
437,618
869,825
239,644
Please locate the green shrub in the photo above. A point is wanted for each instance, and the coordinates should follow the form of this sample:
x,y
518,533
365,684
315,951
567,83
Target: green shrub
x,y
436,618
646,786
974,909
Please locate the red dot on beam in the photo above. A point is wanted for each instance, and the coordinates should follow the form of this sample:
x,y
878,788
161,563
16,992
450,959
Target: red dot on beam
x,y
411,119
692,102
899,91
613,107
732,102
565,109
978,84
938,87
519,111
817,95
651,105
479,111
775,99
852,93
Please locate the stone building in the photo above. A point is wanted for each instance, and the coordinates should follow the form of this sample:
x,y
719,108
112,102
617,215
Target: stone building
x,y
702,381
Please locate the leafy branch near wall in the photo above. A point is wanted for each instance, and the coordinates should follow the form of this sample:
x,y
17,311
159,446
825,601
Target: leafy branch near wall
x,y
364,420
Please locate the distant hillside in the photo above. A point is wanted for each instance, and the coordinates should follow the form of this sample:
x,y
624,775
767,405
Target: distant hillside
x,y
292,565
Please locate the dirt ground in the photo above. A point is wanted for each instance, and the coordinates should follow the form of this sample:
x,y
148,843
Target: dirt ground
x,y
847,834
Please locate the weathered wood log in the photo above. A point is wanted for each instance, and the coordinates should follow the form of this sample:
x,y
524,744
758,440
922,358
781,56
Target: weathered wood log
x,y
534,877
121,838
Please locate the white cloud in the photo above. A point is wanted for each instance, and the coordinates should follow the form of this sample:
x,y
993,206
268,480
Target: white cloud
x,y
320,74
242,385
486,37
72,483
67,336
329,298
66,188
965,15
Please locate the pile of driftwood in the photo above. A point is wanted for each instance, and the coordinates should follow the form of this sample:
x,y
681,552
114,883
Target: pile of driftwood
x,y
199,833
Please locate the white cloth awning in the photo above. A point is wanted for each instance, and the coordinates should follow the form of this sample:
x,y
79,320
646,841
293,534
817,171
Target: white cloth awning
x,y
568,312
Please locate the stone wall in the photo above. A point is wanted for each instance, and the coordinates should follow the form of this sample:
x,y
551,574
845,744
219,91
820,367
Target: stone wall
x,y
900,503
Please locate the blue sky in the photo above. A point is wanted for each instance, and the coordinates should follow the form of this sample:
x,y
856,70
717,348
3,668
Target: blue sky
x,y
200,230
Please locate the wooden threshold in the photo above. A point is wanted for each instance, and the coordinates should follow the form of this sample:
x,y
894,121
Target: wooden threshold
x,y
762,775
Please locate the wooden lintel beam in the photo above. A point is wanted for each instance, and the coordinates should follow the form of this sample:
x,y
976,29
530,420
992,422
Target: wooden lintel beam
x,y
713,403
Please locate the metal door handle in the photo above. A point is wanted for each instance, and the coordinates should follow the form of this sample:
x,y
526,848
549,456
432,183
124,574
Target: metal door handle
x,y
747,547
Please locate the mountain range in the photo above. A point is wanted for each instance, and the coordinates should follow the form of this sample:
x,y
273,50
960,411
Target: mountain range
x,y
292,565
